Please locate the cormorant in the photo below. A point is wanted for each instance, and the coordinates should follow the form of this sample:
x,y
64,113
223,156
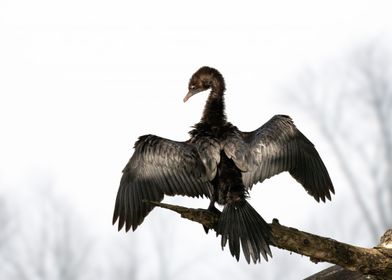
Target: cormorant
x,y
222,163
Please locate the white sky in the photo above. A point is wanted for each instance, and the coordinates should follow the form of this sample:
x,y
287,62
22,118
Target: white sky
x,y
81,80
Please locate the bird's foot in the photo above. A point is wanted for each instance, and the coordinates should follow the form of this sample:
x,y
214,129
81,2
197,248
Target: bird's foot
x,y
213,209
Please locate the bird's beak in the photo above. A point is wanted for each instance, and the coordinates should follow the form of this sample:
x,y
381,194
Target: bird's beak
x,y
189,95
192,93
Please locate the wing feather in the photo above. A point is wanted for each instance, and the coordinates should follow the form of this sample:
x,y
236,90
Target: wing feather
x,y
275,147
159,167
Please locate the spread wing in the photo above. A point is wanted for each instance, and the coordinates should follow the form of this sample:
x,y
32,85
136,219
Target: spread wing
x,y
275,147
158,166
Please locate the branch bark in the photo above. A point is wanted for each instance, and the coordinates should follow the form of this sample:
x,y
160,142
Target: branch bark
x,y
375,261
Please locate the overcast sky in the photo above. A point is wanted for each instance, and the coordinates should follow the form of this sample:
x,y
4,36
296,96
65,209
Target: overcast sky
x,y
81,80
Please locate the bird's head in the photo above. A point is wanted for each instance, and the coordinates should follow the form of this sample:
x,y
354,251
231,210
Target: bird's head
x,y
203,79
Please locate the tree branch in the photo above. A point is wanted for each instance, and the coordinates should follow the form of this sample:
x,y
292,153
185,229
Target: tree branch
x,y
367,261
339,273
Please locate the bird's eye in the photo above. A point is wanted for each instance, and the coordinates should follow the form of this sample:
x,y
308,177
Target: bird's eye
x,y
192,87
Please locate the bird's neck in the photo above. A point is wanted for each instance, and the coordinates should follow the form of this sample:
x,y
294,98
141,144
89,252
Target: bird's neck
x,y
214,110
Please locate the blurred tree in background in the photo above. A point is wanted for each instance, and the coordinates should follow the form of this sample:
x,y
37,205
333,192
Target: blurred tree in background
x,y
47,241
351,101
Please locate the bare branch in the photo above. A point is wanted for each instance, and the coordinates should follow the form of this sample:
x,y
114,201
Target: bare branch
x,y
369,261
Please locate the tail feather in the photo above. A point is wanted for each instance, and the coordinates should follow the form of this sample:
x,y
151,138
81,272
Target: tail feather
x,y
260,231
242,227
249,246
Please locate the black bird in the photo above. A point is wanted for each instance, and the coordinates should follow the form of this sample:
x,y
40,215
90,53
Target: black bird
x,y
222,163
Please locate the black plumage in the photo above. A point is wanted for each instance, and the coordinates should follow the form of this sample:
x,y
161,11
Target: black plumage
x,y
222,163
